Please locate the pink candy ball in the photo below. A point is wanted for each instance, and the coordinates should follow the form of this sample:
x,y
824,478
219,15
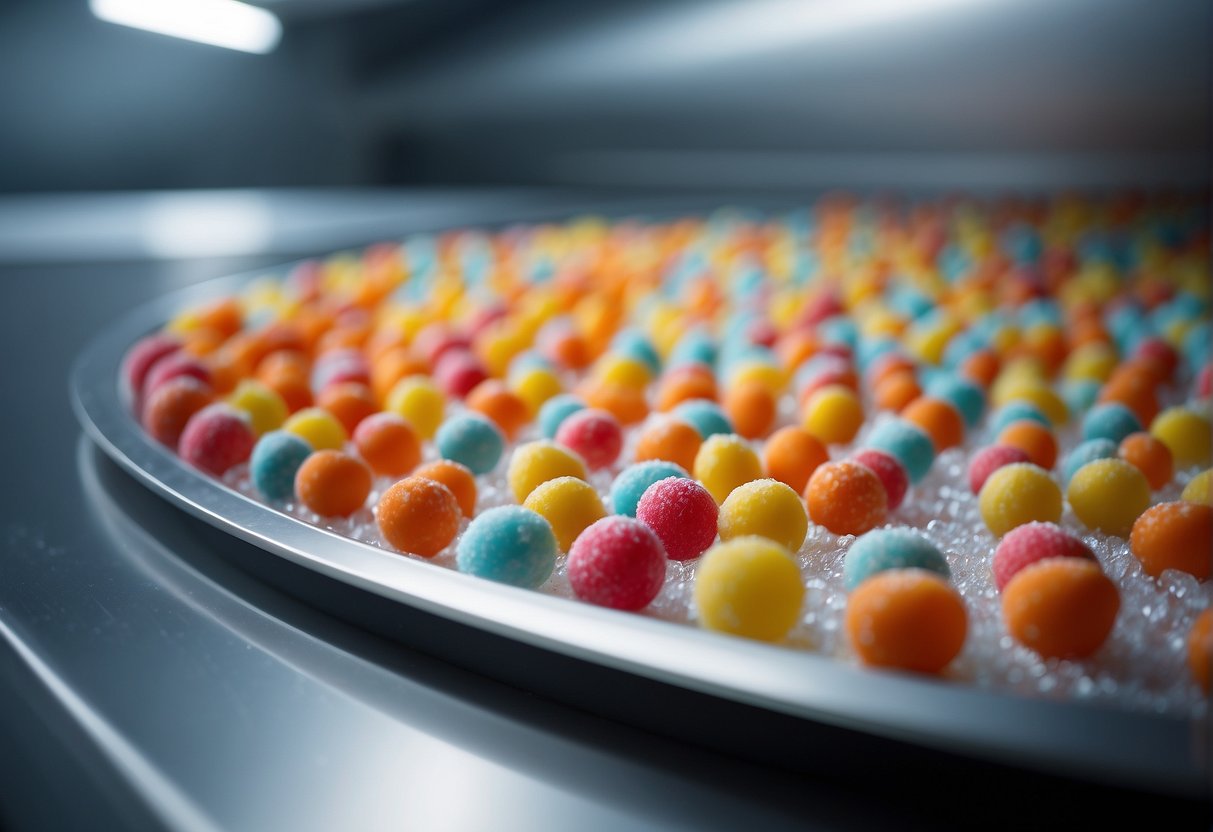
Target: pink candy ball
x,y
339,367
1204,381
216,438
1032,542
145,353
594,434
458,371
682,513
617,562
889,471
990,459
437,339
174,365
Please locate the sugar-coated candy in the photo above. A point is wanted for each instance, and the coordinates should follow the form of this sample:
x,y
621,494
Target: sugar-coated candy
x,y
536,387
846,498
964,395
216,438
1200,488
458,371
537,462
318,428
988,460
669,439
1034,439
1062,608
1150,456
1016,494
725,461
938,419
555,410
169,408
456,477
1014,411
751,408
617,562
749,587
1088,451
419,402
388,444
1200,650
1032,542
766,508
349,401
883,549
570,505
1112,421
266,409
791,455
174,365
470,440
143,355
332,484
418,515
908,619
706,417
891,473
833,414
631,483
505,408
908,443
510,545
1176,535
1109,495
594,435
682,513
274,462
1187,434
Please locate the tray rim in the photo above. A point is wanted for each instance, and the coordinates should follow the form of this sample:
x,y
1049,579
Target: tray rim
x,y
1087,740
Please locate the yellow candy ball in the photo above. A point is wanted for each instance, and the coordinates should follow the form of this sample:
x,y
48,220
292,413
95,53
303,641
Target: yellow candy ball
x,y
834,414
622,371
769,376
535,386
750,587
318,428
1200,489
1039,394
265,408
1186,433
419,402
569,504
725,461
1090,362
1017,494
1108,495
535,463
766,508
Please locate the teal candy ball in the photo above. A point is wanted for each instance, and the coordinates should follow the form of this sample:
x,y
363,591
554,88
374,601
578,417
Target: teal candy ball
x,y
510,545
883,549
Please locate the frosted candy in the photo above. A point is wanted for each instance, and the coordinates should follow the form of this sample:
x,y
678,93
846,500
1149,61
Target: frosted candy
x,y
510,545
891,473
594,435
1108,495
963,394
617,562
846,498
1061,608
634,480
1112,421
725,462
909,619
682,513
883,549
569,504
1030,543
907,443
275,460
216,438
988,460
471,440
706,417
1016,494
749,587
767,508
1176,535
1187,434
1088,451
555,410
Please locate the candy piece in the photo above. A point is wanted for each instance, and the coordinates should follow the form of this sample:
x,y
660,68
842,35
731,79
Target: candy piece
x,y
909,619
749,587
1014,411
1150,456
833,414
1030,543
682,513
627,404
216,438
1109,495
503,406
141,357
537,462
670,439
1186,433
1016,494
792,454
1088,451
266,409
889,471
536,387
594,435
766,508
685,384
846,498
510,545
349,401
175,365
911,447
751,407
990,459
883,549
1034,439
1200,650
275,461
964,395
388,444
706,417
617,562
1040,395
633,343
622,371
332,484
318,428
569,505
724,462
458,372
419,402
1111,421
1200,489
169,408
1176,535
1061,608
938,419
457,479
418,515
471,440
633,481
895,391
555,410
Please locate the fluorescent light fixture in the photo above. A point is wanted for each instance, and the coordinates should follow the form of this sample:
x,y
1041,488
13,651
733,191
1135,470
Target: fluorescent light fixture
x,y
226,23
215,224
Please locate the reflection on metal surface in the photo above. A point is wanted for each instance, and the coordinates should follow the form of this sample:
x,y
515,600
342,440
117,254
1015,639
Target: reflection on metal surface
x,y
218,224
225,23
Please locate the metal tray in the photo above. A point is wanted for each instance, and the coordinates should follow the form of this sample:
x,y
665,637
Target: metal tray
x,y
1090,742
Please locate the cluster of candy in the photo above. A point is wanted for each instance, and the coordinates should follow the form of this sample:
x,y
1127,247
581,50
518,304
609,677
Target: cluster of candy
x,y
708,391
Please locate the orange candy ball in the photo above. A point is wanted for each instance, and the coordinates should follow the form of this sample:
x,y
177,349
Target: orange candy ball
x,y
1200,649
684,384
349,401
896,390
332,483
938,419
846,498
627,404
672,440
751,407
1034,439
388,444
171,405
1061,608
1150,456
909,619
458,480
418,515
982,367
492,399
792,454
1175,535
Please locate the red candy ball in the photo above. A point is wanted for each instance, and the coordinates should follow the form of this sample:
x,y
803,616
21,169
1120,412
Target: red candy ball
x,y
143,355
594,435
1204,381
174,365
458,372
437,339
990,459
216,438
682,513
1032,542
617,562
889,471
